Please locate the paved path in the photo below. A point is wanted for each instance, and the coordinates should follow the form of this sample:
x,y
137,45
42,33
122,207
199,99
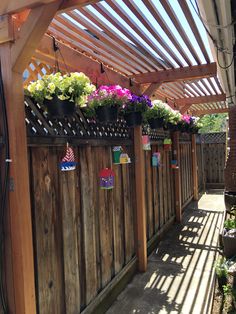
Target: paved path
x,y
181,272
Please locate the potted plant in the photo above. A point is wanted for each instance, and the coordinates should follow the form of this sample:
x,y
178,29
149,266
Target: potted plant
x,y
184,123
172,120
194,125
229,236
156,115
106,101
221,270
134,108
60,94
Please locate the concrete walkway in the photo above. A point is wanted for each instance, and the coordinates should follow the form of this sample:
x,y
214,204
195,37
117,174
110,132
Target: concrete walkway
x,y
180,275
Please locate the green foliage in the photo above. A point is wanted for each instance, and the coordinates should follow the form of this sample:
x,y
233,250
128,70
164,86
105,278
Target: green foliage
x,y
213,123
73,87
158,110
230,223
221,268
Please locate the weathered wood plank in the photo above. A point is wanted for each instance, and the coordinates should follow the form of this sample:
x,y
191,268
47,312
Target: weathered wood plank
x,y
165,178
127,213
88,214
118,220
47,231
105,222
155,191
149,204
160,175
69,200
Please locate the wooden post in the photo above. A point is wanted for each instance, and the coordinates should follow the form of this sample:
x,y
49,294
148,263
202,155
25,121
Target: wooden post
x,y
19,194
178,200
140,200
14,58
195,168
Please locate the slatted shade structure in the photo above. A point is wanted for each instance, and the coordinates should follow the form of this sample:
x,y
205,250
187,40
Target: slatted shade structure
x,y
159,45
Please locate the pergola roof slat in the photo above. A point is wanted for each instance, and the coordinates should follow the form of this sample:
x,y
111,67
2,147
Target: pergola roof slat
x,y
103,48
159,64
180,29
188,15
142,18
167,30
123,45
57,31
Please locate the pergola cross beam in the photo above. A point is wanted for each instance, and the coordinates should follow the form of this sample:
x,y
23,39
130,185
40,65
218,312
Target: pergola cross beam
x,y
15,6
179,74
199,100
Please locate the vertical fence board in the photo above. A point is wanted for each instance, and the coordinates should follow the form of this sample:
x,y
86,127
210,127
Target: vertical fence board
x,y
69,199
155,192
128,213
118,221
149,198
47,231
86,179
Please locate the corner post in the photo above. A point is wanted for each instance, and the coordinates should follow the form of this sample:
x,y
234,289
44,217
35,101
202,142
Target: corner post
x,y
176,153
195,168
140,200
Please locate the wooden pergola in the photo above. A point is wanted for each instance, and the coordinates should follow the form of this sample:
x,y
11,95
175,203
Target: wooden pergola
x,y
134,54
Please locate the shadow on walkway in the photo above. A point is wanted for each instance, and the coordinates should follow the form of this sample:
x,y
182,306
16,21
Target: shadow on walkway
x,y
180,273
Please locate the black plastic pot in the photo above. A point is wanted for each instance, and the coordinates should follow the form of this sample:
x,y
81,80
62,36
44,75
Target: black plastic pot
x,y
229,245
133,118
155,123
59,108
230,200
106,114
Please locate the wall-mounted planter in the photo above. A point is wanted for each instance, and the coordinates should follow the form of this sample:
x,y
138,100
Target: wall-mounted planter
x,y
133,118
106,114
59,108
155,123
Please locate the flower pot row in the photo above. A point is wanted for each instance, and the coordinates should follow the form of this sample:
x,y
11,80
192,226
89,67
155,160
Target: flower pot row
x,y
60,94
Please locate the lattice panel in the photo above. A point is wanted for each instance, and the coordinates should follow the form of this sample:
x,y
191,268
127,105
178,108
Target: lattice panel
x,y
40,124
219,137
35,71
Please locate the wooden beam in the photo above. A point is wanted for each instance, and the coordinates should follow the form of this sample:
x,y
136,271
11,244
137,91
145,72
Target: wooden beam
x,y
75,4
14,6
194,168
19,207
140,200
76,61
180,74
31,33
185,108
151,89
176,154
6,29
200,100
209,111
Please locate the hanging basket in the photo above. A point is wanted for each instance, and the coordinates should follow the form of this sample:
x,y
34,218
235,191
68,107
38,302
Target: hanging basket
x,y
133,118
59,108
155,123
106,114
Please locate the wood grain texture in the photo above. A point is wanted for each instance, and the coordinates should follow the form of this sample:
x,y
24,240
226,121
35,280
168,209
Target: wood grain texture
x,y
47,232
69,200
88,214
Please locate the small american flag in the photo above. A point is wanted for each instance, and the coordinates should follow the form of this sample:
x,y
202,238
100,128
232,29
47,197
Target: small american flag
x,y
68,162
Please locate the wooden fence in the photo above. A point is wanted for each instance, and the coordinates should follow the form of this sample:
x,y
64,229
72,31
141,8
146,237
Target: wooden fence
x,y
85,238
186,170
83,235
159,191
211,148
